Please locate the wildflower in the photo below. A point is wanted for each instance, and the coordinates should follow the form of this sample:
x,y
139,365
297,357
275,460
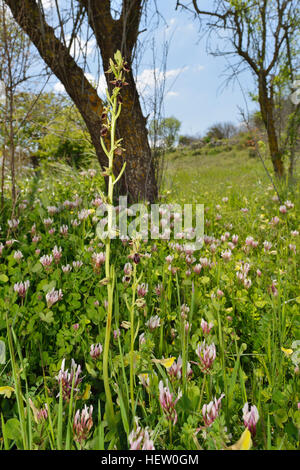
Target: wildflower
x,y
136,258
184,309
273,288
204,262
82,215
292,247
197,268
97,260
128,269
211,411
52,210
76,326
244,210
67,268
142,290
226,255
21,288
57,253
41,414
144,380
116,334
283,209
142,339
96,350
83,422
140,439
18,255
1,248
10,242
274,221
46,261
244,442
250,417
48,222
53,296
294,233
158,289
97,202
235,239
168,403
77,264
66,378
206,327
206,354
13,223
75,222
51,231
153,323
267,246
169,259
63,230
289,205
36,238
175,371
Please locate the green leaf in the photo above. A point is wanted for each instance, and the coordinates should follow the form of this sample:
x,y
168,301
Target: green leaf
x,y
13,429
48,318
260,303
3,278
37,268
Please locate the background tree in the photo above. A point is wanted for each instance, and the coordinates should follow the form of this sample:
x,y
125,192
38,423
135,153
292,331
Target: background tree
x,y
262,34
167,131
222,130
112,31
16,60
52,129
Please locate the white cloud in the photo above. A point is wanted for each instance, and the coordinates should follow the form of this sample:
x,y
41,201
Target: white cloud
x,y
47,4
172,94
146,80
100,85
80,46
59,88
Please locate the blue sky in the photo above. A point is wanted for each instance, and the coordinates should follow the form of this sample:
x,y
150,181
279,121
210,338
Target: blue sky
x,y
194,93
198,98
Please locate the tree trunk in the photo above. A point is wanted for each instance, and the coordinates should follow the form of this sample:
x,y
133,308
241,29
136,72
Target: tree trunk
x,y
138,182
267,112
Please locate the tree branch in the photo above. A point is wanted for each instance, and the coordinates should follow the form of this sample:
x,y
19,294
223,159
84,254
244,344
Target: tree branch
x,y
57,57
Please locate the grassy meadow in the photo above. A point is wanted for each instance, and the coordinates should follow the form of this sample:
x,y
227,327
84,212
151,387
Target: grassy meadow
x,y
204,347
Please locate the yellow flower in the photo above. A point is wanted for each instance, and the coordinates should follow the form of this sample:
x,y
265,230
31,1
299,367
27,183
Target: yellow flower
x,y
87,392
244,442
6,391
165,362
287,352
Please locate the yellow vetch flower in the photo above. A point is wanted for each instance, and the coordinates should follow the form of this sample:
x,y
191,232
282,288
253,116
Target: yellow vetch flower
x,y
6,391
87,392
165,362
244,442
287,352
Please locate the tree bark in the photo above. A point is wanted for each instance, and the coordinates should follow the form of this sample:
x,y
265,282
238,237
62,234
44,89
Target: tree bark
x,y
267,107
138,181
